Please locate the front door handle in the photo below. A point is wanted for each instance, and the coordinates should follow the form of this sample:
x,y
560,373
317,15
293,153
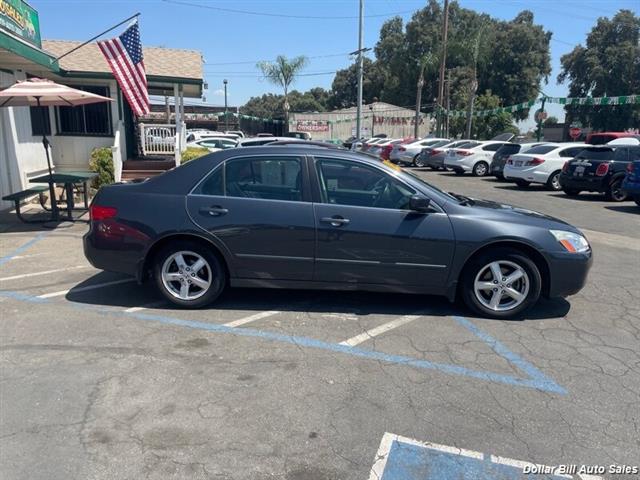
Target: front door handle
x,y
335,221
214,211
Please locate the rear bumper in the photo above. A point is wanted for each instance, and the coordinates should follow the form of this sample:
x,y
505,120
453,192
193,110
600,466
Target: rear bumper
x,y
631,188
590,184
118,256
568,272
529,174
458,165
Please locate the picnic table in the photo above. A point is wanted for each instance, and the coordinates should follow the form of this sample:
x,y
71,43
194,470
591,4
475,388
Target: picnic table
x,y
68,179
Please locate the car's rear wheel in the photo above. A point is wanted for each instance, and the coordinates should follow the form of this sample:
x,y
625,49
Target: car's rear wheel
x,y
418,161
614,191
637,200
522,183
188,274
501,283
553,183
480,169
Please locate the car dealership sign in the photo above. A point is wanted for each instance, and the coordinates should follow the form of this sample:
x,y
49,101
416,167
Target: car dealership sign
x,y
20,20
312,126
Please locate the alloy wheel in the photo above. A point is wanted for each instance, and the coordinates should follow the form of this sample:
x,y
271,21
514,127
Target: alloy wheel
x,y
186,275
501,285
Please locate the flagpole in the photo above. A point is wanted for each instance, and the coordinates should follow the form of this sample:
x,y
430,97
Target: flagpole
x,y
98,36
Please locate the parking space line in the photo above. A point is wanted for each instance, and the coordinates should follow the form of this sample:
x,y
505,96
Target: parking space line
x,y
22,248
612,239
45,272
374,332
85,289
145,307
29,255
251,318
408,459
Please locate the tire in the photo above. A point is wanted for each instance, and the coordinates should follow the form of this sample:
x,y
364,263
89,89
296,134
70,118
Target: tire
x,y
614,191
522,183
553,183
480,169
571,192
418,162
529,285
165,264
637,200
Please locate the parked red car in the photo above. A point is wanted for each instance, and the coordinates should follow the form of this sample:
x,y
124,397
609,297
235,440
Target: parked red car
x,y
600,138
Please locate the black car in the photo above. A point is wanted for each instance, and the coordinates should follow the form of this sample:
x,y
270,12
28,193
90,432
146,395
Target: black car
x,y
502,155
599,169
307,217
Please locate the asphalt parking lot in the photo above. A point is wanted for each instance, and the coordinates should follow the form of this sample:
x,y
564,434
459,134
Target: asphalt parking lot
x,y
101,379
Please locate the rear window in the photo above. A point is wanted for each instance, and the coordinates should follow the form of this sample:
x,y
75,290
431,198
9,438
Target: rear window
x,y
509,149
595,154
468,145
542,149
600,139
441,143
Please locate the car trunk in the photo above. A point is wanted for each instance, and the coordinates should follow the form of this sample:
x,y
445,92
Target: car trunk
x,y
587,162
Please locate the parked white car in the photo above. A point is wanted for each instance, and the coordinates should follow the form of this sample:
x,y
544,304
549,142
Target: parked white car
x,y
476,159
541,164
408,152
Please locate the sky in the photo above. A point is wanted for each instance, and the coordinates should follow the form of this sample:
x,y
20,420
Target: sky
x,y
323,30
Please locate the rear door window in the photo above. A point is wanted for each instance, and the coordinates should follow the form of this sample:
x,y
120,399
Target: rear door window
x,y
491,148
621,155
268,178
541,149
596,154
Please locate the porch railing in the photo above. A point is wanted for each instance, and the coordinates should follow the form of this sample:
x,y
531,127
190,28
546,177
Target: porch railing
x,y
157,139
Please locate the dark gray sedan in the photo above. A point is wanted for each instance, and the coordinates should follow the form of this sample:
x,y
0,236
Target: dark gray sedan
x,y
308,217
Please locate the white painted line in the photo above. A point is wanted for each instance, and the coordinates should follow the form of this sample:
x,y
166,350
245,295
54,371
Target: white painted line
x,y
382,455
252,318
46,272
20,257
374,332
340,316
85,289
144,307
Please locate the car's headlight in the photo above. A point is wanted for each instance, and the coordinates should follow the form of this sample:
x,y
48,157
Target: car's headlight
x,y
572,242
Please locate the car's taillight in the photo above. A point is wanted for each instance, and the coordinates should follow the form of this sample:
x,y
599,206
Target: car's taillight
x,y
464,153
509,161
98,212
602,170
565,167
535,161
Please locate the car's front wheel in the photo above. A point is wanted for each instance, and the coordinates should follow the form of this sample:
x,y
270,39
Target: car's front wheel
x,y
418,161
553,183
188,274
501,283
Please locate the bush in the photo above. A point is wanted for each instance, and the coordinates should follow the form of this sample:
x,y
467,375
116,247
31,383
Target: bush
x,y
192,153
102,162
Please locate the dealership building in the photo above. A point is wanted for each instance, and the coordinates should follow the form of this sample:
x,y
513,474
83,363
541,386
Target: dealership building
x,y
75,131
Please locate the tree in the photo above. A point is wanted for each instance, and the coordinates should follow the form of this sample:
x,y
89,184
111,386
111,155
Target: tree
x,y
550,121
609,65
270,105
283,72
344,89
486,126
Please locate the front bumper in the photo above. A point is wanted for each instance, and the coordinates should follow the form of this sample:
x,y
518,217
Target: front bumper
x,y
457,164
568,272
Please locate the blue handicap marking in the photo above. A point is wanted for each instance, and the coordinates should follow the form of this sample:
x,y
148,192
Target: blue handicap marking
x,y
401,458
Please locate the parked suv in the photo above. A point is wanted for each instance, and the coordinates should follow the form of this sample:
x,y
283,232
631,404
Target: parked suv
x,y
599,169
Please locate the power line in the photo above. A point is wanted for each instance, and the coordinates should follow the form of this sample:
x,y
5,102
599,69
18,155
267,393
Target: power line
x,y
247,62
281,15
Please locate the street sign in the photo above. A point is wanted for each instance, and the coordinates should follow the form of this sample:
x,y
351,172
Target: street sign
x,y
575,132
540,115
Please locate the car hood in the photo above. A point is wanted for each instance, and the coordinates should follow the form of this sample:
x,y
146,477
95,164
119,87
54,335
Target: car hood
x,y
511,213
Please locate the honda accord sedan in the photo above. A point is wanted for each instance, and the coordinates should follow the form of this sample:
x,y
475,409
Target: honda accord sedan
x,y
314,218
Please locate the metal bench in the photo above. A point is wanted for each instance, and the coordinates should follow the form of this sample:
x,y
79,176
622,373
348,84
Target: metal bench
x,y
17,197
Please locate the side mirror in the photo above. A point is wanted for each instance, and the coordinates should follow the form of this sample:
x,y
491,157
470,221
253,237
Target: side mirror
x,y
419,203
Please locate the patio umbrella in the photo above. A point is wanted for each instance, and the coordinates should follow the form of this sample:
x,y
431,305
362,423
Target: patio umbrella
x,y
39,92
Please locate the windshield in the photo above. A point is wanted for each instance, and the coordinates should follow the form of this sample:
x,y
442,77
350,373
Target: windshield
x,y
428,185
542,149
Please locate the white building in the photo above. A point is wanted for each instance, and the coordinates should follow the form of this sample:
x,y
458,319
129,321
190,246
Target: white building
x,y
75,131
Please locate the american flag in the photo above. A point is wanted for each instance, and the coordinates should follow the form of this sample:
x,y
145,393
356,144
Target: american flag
x,y
124,56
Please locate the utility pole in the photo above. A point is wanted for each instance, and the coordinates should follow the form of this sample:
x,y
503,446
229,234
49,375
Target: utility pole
x,y
443,62
427,59
360,67
446,130
226,110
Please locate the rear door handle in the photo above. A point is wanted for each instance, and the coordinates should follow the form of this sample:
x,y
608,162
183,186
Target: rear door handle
x,y
214,211
335,221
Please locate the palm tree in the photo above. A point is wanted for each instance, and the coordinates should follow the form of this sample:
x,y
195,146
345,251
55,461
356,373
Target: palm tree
x,y
283,72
